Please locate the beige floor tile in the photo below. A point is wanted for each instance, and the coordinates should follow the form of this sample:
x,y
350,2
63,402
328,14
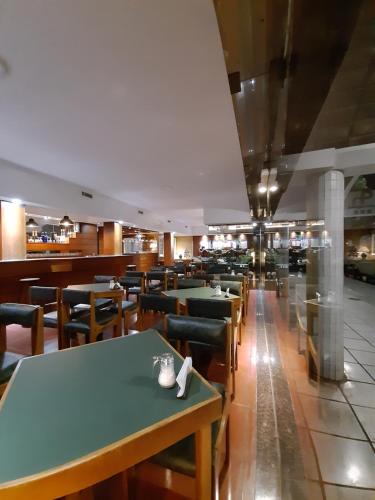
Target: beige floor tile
x,y
342,493
367,419
354,371
311,388
366,358
360,345
345,461
331,416
359,393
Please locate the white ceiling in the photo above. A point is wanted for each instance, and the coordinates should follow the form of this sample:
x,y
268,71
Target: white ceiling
x,y
126,97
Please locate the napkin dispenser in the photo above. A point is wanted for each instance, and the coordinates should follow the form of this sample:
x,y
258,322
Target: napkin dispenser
x,y
183,378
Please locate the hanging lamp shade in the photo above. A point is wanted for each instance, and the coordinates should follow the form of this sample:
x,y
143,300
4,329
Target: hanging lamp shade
x,y
31,223
66,221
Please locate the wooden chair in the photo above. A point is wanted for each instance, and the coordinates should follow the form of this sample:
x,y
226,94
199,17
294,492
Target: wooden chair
x,y
223,310
49,298
133,285
235,288
156,281
212,334
25,315
91,322
245,288
189,283
157,304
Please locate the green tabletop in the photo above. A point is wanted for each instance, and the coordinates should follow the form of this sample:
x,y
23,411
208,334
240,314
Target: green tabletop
x,y
64,405
204,292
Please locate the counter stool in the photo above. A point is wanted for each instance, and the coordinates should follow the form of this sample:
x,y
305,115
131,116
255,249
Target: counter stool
x,y
25,284
24,315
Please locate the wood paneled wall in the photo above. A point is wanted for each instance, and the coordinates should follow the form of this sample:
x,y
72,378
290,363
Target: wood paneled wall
x,y
66,271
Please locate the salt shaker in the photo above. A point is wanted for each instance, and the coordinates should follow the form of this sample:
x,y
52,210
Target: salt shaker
x,y
167,376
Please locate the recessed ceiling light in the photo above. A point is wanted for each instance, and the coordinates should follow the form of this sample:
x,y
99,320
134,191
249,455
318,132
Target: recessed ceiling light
x,y
274,188
262,189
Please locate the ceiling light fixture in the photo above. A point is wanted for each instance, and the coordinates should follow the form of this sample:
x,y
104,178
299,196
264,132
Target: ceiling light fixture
x,y
274,188
66,221
262,189
31,223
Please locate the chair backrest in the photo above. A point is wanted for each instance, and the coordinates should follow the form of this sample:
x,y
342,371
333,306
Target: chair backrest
x,y
232,277
205,331
157,268
43,295
129,281
134,274
241,268
74,297
209,308
159,303
203,276
102,278
156,276
189,283
235,287
217,268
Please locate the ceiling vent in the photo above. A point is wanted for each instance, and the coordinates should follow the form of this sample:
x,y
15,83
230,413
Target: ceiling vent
x,y
86,195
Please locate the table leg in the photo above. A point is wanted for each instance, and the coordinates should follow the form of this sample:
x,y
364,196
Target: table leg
x,y
37,334
203,463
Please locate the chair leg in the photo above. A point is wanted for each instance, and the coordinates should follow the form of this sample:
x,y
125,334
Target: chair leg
x,y
3,338
37,334
126,322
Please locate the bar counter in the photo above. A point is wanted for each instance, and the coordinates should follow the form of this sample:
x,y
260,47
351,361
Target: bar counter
x,y
65,271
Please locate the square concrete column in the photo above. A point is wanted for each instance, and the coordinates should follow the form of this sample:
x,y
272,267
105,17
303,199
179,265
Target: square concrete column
x,y
325,202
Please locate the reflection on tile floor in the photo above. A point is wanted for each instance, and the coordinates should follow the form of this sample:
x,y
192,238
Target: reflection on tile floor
x,y
345,461
359,393
331,417
354,371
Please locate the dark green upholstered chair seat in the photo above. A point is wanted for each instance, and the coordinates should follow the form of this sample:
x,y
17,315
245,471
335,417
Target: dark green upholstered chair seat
x,y
134,290
8,363
19,314
50,319
82,323
126,305
180,457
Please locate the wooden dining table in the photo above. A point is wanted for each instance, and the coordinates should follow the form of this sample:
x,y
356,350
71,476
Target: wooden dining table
x,y
73,418
204,292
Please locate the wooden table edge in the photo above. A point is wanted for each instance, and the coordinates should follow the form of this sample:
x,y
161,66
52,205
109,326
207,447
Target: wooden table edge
x,y
116,457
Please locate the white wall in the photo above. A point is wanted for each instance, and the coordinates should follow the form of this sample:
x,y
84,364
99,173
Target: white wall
x,y
45,191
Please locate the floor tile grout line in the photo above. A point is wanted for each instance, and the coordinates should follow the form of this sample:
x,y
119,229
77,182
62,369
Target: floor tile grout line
x,y
364,440
361,365
359,422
